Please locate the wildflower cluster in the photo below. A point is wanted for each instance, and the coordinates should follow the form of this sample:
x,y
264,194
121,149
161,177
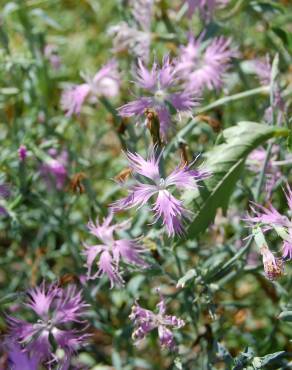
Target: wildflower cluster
x,y
135,135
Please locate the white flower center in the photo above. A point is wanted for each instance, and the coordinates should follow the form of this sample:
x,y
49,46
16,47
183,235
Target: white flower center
x,y
160,96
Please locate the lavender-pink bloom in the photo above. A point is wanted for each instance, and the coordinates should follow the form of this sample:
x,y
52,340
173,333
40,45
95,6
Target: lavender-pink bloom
x,y
273,174
163,87
18,359
106,82
166,207
4,194
22,152
204,66
145,321
57,310
267,217
263,69
135,39
54,170
205,7
51,53
111,251
287,249
273,266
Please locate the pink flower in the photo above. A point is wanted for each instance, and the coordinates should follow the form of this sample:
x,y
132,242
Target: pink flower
x,y
205,7
287,248
274,267
106,82
166,207
111,251
263,69
54,170
56,313
204,66
22,152
163,90
145,321
273,174
270,217
51,53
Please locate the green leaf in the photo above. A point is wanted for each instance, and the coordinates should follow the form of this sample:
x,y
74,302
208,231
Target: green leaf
x,y
188,276
261,362
225,162
286,316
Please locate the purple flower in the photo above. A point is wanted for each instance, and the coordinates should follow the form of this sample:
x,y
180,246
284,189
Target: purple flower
x,y
51,53
267,217
56,310
54,170
287,248
204,66
163,91
145,321
274,267
205,7
142,11
22,152
153,185
18,359
134,39
4,194
106,82
272,175
110,250
263,69
270,217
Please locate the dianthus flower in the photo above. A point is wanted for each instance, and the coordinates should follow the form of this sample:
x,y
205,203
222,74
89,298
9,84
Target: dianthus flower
x,y
205,7
163,92
270,218
145,321
134,38
54,170
111,251
106,82
273,266
272,175
57,310
22,153
203,66
18,359
51,53
151,184
4,194
263,69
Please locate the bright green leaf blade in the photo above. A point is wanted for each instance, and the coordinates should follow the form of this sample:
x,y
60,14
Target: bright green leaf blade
x,y
225,162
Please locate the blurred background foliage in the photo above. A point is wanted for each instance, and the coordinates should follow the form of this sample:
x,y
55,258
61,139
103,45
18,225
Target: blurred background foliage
x,y
232,311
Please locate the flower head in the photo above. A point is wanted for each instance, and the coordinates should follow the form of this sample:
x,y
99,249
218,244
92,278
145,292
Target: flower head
x,y
111,250
272,175
204,66
18,359
57,310
54,170
22,152
4,194
269,217
106,82
51,53
152,185
145,321
273,266
263,70
205,7
163,92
